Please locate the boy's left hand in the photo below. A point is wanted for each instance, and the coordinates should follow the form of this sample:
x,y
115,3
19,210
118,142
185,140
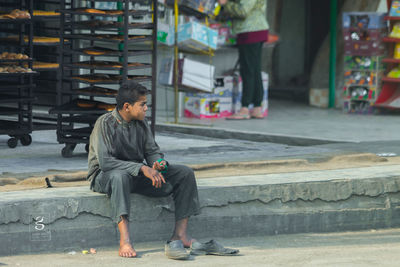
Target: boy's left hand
x,y
159,166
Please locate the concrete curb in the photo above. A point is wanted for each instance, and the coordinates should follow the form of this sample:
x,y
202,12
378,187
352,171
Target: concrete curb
x,y
243,135
79,175
319,201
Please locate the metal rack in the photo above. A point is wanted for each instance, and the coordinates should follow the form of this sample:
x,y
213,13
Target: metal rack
x,y
16,88
107,48
182,7
46,24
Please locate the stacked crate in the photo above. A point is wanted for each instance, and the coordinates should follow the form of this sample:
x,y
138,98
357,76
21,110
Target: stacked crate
x,y
363,34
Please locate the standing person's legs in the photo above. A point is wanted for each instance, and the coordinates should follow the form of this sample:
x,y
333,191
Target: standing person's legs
x,y
117,184
258,91
247,73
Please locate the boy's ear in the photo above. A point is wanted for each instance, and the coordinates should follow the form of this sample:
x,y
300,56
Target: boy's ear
x,y
125,107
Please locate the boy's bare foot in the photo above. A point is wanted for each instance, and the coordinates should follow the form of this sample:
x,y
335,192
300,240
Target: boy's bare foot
x,y
126,250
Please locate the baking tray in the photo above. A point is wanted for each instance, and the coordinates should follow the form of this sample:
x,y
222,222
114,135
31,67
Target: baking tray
x,y
92,65
108,25
136,78
13,86
107,38
2,61
15,21
86,92
12,111
72,108
80,119
107,52
16,99
7,74
80,11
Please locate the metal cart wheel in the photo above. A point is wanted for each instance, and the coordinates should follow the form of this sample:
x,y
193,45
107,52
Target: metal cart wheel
x,y
87,148
66,152
26,140
12,142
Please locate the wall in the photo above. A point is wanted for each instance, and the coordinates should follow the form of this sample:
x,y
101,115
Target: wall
x,y
290,53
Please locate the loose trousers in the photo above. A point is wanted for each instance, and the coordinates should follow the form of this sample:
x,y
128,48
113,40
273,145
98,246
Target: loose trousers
x,y
250,71
180,182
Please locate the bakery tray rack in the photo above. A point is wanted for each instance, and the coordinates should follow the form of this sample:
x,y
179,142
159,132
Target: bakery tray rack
x,y
109,43
46,21
16,75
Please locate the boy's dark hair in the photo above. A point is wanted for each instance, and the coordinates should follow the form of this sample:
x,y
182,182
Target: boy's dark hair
x,y
130,93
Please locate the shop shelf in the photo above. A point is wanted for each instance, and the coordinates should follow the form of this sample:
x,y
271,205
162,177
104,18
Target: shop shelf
x,y
392,80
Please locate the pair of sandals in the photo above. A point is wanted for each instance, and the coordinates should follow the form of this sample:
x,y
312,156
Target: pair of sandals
x,y
245,114
176,251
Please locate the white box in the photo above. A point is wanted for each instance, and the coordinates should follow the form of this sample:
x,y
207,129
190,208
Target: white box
x,y
208,105
198,82
197,75
197,36
166,71
165,34
223,83
192,73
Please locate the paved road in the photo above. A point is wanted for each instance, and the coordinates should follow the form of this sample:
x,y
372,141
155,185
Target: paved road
x,y
44,154
367,248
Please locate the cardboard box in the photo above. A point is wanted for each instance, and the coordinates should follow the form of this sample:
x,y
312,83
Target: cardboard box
x,y
359,107
208,105
165,75
364,63
200,6
237,94
363,78
165,34
395,9
195,36
225,35
364,48
356,34
364,20
356,92
197,75
223,83
192,74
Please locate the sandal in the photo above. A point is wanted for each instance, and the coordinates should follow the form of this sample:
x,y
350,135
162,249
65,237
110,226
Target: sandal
x,y
175,250
243,114
211,247
256,113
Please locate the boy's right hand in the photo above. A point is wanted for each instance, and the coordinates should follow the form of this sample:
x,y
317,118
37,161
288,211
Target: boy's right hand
x,y
156,178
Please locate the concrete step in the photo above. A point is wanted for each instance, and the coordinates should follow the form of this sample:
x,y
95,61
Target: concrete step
x,y
60,219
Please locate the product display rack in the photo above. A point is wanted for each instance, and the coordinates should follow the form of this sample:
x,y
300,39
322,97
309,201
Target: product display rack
x,y
364,65
16,88
390,88
107,47
177,87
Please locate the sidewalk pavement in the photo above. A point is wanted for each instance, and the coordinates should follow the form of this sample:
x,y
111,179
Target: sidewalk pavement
x,y
299,120
366,248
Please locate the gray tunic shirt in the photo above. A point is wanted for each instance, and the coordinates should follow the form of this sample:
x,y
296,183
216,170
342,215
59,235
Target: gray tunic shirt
x,y
117,144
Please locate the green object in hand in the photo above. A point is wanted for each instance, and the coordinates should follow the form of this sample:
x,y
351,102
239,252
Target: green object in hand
x,y
165,166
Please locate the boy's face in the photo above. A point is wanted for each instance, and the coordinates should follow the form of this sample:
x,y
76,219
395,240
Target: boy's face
x,y
138,110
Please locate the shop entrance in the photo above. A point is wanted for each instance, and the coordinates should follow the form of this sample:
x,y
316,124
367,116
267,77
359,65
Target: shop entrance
x,y
303,26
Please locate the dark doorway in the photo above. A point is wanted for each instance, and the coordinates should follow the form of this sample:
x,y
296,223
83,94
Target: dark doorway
x,y
304,25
